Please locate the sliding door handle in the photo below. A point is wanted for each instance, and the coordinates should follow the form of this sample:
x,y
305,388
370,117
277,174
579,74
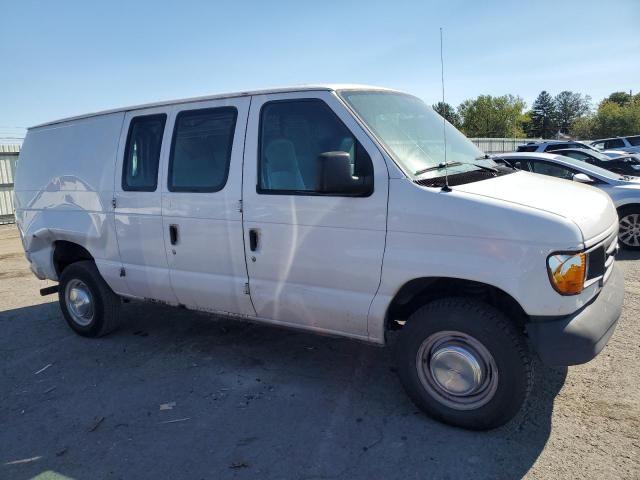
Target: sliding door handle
x,y
173,234
253,239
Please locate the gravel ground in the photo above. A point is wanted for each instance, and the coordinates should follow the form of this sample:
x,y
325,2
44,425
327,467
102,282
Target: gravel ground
x,y
175,394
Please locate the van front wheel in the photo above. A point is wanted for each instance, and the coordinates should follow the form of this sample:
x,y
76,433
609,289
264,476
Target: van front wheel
x,y
89,306
464,363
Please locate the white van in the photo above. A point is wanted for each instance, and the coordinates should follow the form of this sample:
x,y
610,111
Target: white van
x,y
333,209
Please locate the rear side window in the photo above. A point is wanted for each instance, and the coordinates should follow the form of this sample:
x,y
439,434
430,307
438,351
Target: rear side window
x,y
614,143
576,155
142,153
556,146
527,148
201,150
293,134
634,141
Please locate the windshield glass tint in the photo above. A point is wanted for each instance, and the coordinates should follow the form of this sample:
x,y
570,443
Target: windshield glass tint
x,y
412,132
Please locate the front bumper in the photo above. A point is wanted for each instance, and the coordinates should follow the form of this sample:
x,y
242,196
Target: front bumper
x,y
579,337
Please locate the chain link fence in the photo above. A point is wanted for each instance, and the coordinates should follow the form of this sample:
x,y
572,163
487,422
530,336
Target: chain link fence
x,y
501,145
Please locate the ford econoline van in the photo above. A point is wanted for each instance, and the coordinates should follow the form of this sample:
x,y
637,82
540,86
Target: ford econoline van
x,y
345,210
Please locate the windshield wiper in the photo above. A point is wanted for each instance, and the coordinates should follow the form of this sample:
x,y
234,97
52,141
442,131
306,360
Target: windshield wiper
x,y
440,166
484,167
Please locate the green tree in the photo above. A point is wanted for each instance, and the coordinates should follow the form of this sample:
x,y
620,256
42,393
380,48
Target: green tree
x,y
621,98
448,112
525,122
613,120
582,127
488,116
569,107
543,117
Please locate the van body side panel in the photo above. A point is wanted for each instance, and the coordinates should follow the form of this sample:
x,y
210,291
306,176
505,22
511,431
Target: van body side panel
x,y
318,259
457,235
207,262
64,187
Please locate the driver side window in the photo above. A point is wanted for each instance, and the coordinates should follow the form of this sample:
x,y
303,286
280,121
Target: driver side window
x,y
293,135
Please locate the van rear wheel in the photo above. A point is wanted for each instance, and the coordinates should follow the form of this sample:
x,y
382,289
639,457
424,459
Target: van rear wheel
x,y
89,306
464,363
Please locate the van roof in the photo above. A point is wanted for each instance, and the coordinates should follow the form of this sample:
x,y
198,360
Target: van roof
x,y
245,93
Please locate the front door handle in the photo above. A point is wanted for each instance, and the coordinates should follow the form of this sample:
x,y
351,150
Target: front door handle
x,y
253,239
173,234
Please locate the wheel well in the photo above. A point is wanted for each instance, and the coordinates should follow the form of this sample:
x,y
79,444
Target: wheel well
x,y
635,206
65,253
420,291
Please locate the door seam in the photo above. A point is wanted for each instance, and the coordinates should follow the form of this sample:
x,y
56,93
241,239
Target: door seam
x,y
244,207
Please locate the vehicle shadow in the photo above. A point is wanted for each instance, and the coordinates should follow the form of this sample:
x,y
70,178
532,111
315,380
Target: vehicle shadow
x,y
178,394
625,255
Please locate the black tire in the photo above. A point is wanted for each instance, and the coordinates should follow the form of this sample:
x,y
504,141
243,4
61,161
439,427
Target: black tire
x,y
622,213
495,333
106,304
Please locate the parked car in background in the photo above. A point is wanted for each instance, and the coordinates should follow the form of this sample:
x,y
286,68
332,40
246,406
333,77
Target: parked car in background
x,y
333,209
626,144
624,164
551,145
623,190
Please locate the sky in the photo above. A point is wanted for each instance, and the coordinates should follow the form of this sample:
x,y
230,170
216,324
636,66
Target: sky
x,y
63,57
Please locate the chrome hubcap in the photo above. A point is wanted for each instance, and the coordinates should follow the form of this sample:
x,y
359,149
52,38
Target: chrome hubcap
x,y
457,370
629,233
79,302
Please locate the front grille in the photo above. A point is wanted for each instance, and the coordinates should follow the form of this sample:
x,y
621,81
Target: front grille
x,y
601,260
595,267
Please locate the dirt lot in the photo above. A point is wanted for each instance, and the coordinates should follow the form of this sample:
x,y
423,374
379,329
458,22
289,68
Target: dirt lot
x,y
176,394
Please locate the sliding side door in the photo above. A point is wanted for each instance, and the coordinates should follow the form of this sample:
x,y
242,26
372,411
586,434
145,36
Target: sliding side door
x,y
201,208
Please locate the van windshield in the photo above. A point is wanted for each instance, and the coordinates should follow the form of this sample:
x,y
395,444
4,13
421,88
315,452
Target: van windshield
x,y
412,132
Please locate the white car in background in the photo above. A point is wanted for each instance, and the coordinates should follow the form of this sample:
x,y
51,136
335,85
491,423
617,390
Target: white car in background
x,y
629,144
623,190
549,146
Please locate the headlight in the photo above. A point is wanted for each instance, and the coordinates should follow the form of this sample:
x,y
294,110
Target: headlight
x,y
567,272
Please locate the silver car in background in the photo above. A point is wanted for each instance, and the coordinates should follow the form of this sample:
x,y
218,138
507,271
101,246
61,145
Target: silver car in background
x,y
548,146
623,190
629,144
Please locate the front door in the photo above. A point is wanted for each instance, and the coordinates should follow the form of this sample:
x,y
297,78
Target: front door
x,y
201,208
314,258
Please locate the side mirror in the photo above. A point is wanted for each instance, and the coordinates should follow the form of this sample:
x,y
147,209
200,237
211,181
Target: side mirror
x,y
334,175
582,178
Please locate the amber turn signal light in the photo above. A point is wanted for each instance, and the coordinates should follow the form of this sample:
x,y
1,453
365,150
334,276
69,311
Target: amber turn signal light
x,y
567,272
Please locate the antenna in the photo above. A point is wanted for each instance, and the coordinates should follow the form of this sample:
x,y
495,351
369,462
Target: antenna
x,y
446,187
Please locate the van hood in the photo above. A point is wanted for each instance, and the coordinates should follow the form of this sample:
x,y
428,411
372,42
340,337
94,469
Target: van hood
x,y
588,207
